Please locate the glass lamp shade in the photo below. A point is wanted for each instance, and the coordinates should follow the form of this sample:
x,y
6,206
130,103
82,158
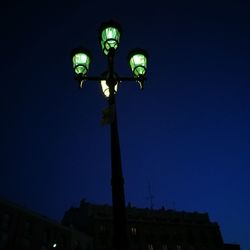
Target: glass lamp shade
x,y
138,60
109,36
81,61
105,88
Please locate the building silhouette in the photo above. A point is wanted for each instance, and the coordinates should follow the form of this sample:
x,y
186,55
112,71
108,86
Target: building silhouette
x,y
90,227
231,247
148,229
22,229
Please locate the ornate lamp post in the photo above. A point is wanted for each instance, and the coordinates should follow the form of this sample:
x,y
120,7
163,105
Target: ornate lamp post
x,y
109,38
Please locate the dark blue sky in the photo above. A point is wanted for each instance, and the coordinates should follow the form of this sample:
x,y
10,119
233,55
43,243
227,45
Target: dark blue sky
x,y
186,134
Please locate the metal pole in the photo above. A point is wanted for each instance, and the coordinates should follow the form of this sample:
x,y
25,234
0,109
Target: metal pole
x,y
120,232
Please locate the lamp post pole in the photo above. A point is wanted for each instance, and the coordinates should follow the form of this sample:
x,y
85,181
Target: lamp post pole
x,y
117,182
120,232
109,37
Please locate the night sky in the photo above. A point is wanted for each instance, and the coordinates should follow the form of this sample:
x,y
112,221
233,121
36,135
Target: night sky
x,y
184,139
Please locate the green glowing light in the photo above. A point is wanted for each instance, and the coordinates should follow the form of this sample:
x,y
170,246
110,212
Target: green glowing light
x,y
138,64
81,63
110,37
105,88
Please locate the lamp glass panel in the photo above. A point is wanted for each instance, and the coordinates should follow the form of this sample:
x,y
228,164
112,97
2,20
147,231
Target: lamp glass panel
x,y
110,39
81,63
105,88
138,64
80,70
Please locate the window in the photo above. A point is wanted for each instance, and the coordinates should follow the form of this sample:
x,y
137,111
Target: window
x,y
45,236
27,228
203,236
164,247
150,247
26,243
5,221
178,247
133,230
102,228
177,236
3,240
190,236
78,245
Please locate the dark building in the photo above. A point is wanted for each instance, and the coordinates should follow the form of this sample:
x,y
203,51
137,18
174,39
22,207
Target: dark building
x,y
22,229
89,227
231,247
148,229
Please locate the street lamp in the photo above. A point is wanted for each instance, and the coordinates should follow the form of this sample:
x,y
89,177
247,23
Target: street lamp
x,y
138,60
81,61
109,38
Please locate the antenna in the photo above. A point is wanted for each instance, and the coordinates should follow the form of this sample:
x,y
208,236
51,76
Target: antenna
x,y
150,197
166,204
174,207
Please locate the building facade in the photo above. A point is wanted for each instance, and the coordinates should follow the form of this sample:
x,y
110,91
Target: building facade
x,y
148,229
90,227
231,247
22,229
